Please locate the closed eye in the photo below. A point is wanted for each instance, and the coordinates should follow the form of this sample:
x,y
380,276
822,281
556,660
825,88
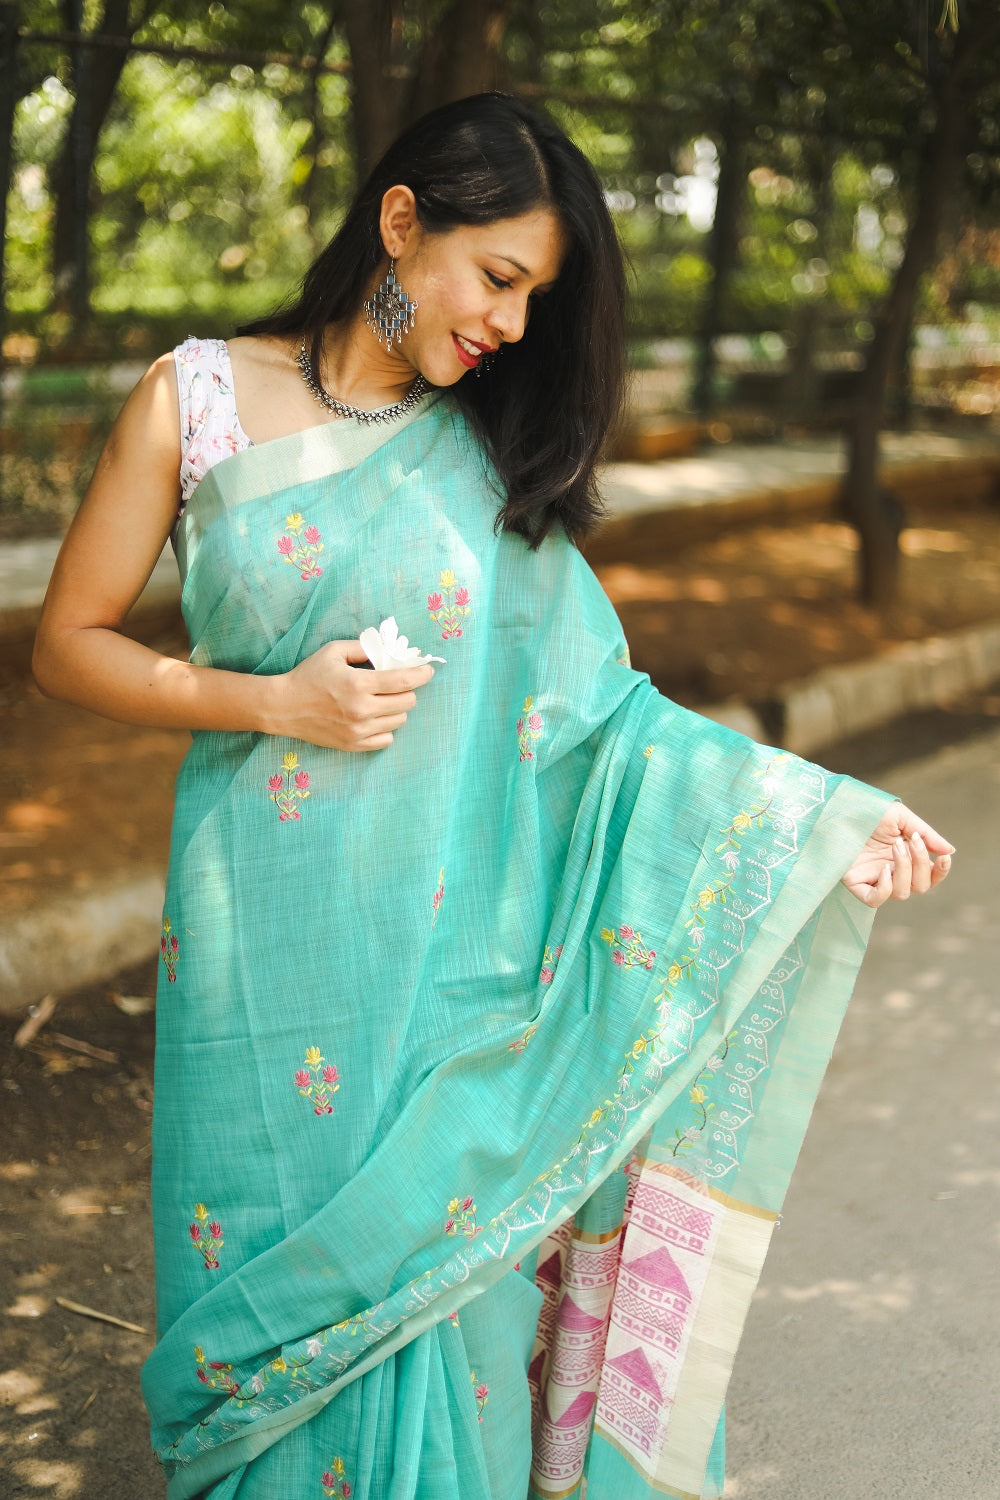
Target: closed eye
x,y
498,281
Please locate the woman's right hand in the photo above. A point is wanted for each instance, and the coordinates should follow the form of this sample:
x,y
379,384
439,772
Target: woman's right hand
x,y
327,701
83,656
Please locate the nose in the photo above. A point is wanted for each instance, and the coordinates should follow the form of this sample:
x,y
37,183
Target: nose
x,y
510,318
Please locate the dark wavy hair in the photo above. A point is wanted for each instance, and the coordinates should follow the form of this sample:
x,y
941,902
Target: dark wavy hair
x,y
544,409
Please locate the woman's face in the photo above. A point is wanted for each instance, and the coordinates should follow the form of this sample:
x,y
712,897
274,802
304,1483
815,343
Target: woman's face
x,y
474,286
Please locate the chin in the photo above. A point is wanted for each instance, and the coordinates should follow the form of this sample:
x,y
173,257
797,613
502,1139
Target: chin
x,y
438,366
441,379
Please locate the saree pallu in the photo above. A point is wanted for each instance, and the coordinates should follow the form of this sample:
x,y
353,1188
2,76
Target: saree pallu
x,y
483,1060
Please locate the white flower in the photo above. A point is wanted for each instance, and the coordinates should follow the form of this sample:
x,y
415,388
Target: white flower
x,y
714,1062
257,1384
313,1348
385,647
731,860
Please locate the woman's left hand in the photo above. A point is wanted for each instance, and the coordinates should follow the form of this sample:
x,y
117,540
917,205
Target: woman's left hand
x,y
903,857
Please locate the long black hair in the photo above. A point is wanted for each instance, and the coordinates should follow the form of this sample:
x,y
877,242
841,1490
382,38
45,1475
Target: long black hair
x,y
545,407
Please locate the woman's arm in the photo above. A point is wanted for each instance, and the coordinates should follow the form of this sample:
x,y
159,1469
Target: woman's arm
x,y
105,562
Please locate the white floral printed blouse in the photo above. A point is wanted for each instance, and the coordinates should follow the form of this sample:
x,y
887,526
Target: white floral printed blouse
x,y
210,428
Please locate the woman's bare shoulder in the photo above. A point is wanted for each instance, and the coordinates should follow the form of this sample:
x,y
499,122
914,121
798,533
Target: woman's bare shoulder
x,y
271,397
265,355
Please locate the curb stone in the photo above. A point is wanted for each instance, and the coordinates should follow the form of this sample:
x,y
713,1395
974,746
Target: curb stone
x,y
82,939
79,939
860,696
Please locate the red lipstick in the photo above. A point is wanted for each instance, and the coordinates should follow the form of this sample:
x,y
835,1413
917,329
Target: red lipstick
x,y
470,360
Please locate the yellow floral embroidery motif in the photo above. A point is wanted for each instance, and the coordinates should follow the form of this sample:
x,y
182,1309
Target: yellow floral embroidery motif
x,y
712,893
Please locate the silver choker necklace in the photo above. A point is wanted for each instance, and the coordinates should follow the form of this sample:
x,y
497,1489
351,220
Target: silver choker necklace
x,y
342,409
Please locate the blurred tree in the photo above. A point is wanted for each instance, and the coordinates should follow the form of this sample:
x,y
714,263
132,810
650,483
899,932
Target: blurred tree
x,y
950,79
95,73
404,59
9,20
775,165
407,59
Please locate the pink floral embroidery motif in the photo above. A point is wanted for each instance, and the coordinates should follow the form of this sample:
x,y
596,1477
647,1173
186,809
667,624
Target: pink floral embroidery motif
x,y
522,1040
438,897
449,605
170,951
627,948
220,1376
206,1237
289,788
318,1081
453,1319
462,1218
482,1393
333,1481
302,547
217,1374
529,729
550,958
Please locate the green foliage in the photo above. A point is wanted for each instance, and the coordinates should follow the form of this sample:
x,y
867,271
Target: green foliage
x,y
211,192
215,182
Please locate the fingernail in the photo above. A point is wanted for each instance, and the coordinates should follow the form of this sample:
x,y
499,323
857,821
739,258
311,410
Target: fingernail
x,y
916,839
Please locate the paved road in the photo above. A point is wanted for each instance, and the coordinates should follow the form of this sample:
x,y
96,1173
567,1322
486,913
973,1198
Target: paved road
x,y
871,1361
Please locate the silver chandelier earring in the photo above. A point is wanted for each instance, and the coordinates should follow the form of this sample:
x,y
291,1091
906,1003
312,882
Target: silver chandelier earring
x,y
390,311
486,360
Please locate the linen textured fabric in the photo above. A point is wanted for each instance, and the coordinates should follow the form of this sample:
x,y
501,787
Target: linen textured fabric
x,y
482,1061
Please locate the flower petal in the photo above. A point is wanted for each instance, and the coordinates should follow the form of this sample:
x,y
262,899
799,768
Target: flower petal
x,y
385,647
371,644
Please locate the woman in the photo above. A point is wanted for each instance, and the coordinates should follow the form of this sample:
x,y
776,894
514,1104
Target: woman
x,y
484,1053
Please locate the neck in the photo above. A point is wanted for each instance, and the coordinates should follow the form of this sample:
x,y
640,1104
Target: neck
x,y
358,370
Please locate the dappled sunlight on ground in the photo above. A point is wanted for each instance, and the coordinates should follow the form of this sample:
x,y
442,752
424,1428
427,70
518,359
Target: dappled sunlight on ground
x,y
766,605
868,1300
917,541
69,780
75,1224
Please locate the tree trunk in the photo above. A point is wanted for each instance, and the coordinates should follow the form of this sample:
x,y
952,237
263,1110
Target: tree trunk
x,y
96,71
899,388
875,514
462,55
374,31
723,252
9,17
803,381
8,60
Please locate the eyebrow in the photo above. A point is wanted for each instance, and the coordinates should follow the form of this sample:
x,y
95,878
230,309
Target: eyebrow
x,y
523,269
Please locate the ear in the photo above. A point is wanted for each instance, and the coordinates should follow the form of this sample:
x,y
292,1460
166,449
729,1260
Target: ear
x,y
398,222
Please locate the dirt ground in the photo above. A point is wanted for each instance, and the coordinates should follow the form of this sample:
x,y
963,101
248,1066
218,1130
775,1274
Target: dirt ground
x,y
75,1224
81,798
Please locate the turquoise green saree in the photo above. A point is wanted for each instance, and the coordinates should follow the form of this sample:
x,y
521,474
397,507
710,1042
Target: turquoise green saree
x,y
482,1061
